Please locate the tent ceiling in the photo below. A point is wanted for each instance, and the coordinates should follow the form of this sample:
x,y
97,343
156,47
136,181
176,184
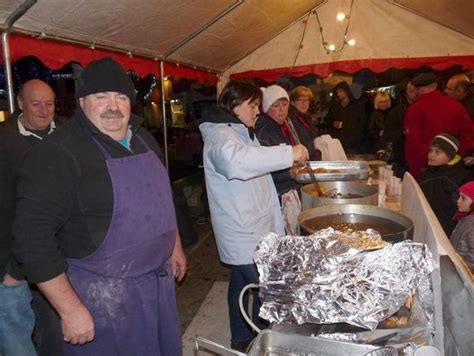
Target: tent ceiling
x,y
455,14
155,27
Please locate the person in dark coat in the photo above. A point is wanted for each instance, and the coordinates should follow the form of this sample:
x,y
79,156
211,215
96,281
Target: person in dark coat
x,y
378,120
347,119
27,127
273,129
301,98
95,227
443,176
393,133
459,87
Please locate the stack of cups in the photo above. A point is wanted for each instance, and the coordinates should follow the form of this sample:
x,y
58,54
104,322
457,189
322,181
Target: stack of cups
x,y
388,184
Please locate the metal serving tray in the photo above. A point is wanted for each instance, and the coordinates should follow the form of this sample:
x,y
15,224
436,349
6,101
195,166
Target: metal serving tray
x,y
348,170
272,343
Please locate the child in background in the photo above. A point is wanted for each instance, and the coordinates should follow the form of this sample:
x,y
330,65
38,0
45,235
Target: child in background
x,y
462,237
441,179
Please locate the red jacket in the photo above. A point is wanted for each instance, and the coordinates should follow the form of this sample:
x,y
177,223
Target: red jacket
x,y
431,114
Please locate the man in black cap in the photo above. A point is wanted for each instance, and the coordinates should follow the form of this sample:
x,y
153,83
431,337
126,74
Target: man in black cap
x,y
433,113
96,228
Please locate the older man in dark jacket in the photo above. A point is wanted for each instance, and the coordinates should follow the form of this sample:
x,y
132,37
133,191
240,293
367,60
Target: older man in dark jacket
x,y
24,129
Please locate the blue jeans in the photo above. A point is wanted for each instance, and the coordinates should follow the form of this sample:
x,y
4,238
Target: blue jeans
x,y
240,276
16,321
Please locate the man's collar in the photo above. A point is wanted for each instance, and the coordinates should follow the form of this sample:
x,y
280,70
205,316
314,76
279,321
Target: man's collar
x,y
26,132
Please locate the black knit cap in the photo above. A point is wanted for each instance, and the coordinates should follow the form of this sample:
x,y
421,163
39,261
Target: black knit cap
x,y
447,143
103,75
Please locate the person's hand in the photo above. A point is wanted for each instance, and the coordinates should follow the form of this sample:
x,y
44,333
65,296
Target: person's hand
x,y
78,326
10,281
294,171
178,261
469,160
300,154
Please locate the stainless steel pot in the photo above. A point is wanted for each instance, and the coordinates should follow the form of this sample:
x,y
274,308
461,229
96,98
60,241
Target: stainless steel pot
x,y
393,226
352,193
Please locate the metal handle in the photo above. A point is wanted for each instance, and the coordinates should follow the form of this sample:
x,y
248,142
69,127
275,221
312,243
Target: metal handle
x,y
201,343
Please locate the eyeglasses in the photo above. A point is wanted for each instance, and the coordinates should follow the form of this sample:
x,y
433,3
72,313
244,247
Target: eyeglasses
x,y
303,100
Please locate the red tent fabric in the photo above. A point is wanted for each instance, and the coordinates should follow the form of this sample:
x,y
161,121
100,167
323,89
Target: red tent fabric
x,y
56,54
377,65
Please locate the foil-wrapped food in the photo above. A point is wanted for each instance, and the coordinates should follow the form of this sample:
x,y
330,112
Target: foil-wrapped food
x,y
333,277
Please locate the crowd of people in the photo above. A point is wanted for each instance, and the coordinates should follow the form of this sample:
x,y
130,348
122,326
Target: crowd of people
x,y
88,226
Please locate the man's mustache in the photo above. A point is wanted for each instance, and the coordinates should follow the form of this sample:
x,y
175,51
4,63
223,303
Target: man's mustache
x,y
112,114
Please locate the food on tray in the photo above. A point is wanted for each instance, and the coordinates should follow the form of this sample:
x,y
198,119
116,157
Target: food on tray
x,y
342,223
401,318
333,194
363,240
319,170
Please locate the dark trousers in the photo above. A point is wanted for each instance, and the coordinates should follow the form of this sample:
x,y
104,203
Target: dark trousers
x,y
47,335
240,276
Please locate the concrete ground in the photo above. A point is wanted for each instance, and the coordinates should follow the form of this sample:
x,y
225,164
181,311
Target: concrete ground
x,y
204,269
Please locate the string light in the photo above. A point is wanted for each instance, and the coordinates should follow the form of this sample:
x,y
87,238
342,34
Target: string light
x,y
340,17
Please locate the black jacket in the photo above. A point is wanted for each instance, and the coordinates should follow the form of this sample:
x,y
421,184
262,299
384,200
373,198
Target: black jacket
x,y
393,131
65,197
269,134
354,119
13,149
440,186
377,122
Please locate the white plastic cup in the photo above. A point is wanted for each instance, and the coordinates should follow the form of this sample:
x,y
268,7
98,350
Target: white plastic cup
x,y
427,351
382,186
381,172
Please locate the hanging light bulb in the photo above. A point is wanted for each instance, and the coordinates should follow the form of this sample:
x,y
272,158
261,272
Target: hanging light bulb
x,y
351,42
331,47
340,16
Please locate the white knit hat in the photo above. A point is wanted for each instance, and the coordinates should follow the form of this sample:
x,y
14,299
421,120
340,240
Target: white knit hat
x,y
272,94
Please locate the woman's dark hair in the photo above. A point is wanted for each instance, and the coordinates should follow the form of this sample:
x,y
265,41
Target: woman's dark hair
x,y
236,92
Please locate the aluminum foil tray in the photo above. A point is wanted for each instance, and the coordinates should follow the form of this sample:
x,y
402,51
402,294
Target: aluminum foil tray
x,y
347,170
273,343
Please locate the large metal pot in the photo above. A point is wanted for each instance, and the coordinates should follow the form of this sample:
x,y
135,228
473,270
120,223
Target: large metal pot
x,y
393,226
351,193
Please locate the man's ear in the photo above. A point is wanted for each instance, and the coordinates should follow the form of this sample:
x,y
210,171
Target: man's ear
x,y
20,103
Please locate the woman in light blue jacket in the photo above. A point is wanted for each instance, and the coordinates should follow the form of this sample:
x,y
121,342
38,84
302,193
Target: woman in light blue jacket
x,y
242,197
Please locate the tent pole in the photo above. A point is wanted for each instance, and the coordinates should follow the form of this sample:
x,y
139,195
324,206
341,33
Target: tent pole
x,y
11,19
163,109
8,72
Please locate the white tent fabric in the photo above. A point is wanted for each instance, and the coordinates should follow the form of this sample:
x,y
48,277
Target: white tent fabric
x,y
380,28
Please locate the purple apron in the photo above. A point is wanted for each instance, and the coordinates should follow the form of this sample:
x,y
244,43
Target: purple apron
x,y
127,284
